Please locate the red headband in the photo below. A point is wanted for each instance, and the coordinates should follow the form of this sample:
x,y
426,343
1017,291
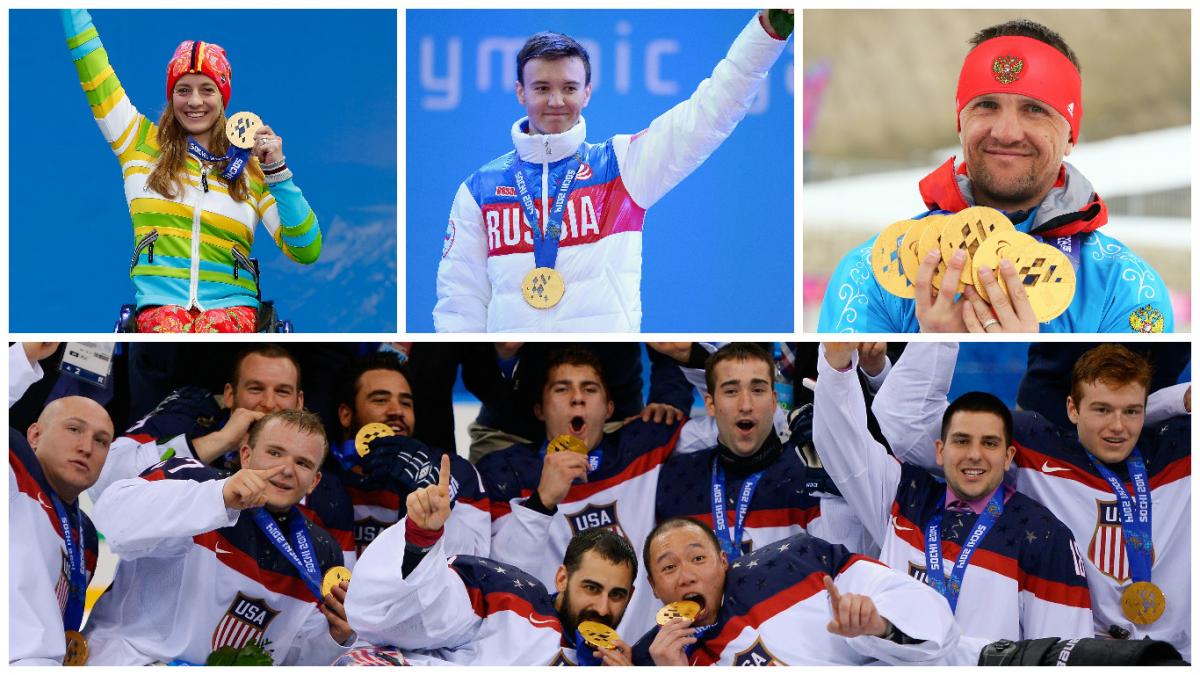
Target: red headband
x,y
205,58
1025,66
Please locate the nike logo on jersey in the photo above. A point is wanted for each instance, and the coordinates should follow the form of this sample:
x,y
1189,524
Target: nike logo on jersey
x,y
898,527
1046,468
43,503
219,550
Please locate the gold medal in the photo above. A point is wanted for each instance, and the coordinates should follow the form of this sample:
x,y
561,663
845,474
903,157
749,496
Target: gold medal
x,y
886,262
566,443
543,287
240,128
910,257
680,609
77,649
968,230
1143,602
598,635
1001,245
1049,280
333,577
931,238
369,432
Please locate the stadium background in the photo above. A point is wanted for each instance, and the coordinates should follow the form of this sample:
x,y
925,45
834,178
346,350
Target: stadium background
x,y
718,249
879,115
324,81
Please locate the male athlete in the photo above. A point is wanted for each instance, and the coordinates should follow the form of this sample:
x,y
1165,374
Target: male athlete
x,y
1019,107
1007,567
468,610
579,268
1122,489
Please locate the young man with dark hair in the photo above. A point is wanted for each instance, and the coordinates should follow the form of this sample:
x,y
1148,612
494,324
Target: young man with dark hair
x,y
188,423
1019,108
378,390
799,601
751,487
577,478
512,263
1006,566
1123,489
211,562
469,610
52,543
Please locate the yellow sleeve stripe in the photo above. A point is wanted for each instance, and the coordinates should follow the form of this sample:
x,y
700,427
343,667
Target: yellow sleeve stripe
x,y
101,111
98,79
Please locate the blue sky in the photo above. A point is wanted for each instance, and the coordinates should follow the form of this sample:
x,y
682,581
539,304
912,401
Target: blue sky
x,y
324,80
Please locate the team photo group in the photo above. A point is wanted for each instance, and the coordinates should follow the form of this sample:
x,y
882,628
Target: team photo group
x,y
600,504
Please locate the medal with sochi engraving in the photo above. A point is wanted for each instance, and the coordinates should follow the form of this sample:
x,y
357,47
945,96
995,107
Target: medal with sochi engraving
x,y
598,635
680,609
566,443
369,432
77,649
333,577
1143,602
543,288
240,128
968,230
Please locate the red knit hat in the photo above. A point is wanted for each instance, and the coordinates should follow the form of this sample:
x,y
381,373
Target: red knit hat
x,y
1021,65
205,58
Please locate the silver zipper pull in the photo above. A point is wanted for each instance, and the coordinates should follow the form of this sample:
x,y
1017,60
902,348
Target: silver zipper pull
x,y
204,178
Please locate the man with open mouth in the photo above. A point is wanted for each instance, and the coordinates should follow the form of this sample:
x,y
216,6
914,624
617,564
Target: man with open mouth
x,y
1006,566
799,601
750,487
576,479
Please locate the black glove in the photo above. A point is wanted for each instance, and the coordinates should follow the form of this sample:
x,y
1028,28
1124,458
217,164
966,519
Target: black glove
x,y
188,410
800,423
401,464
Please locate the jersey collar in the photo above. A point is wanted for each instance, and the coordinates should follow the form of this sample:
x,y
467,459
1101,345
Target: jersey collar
x,y
547,148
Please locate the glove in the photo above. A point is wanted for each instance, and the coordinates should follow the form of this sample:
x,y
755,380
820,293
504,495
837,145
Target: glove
x,y
188,410
800,423
401,464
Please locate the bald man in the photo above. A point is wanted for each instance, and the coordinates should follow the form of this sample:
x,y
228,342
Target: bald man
x,y
52,544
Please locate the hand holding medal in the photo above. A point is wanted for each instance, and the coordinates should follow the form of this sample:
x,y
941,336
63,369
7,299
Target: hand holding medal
x,y
612,649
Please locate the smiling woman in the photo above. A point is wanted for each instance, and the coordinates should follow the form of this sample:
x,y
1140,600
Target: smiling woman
x,y
194,195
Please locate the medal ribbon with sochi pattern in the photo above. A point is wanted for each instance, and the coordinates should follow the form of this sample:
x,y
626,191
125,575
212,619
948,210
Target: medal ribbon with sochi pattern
x,y
236,154
933,547
1135,523
302,556
545,248
732,545
77,581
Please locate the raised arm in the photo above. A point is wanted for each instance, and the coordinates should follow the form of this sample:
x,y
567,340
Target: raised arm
x,y
910,404
678,141
119,121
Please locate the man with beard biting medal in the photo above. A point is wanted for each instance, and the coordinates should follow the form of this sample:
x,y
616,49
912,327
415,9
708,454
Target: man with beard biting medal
x,y
468,610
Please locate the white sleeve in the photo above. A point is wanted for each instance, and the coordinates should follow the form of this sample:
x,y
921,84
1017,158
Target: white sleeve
x,y
21,373
142,517
860,467
463,287
430,609
313,645
128,458
679,140
839,524
1166,403
35,626
469,531
910,404
519,539
874,382
914,608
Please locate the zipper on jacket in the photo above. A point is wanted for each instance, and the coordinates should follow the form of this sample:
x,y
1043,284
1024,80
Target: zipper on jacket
x,y
240,260
193,289
147,242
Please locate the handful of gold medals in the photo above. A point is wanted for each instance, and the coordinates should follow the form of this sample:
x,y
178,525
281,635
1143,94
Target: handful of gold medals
x,y
987,236
598,635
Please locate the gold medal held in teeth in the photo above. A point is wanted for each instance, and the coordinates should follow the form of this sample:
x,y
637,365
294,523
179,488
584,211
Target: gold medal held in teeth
x,y
598,635
566,443
1143,602
680,609
369,432
240,128
333,577
77,649
543,287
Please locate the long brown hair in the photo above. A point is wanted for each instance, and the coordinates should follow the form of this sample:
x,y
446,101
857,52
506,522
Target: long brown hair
x,y
167,176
